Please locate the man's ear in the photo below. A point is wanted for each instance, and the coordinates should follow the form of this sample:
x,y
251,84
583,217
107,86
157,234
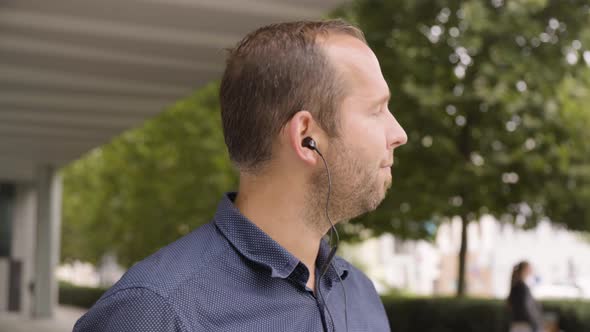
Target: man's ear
x,y
300,126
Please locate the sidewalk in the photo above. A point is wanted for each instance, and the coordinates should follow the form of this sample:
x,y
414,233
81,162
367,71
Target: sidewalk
x,y
64,320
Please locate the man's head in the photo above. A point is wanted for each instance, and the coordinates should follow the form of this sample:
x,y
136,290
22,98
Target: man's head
x,y
287,81
273,73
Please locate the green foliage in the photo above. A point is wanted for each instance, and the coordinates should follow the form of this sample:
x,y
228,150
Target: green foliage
x,y
479,86
408,314
452,315
572,315
83,297
149,186
474,315
483,92
574,166
494,113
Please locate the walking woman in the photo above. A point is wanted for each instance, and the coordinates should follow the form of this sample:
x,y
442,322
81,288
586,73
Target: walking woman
x,y
526,313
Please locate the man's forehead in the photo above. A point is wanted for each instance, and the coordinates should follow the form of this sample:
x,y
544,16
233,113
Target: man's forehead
x,y
348,49
356,62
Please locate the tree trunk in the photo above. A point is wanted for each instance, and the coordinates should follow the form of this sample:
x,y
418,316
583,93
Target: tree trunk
x,y
462,284
464,144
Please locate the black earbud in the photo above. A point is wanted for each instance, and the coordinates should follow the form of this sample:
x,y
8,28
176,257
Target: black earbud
x,y
309,143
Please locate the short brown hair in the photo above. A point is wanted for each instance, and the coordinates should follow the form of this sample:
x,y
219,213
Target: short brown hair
x,y
270,75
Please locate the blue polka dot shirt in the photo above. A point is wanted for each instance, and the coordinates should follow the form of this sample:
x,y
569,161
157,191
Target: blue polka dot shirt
x,y
229,275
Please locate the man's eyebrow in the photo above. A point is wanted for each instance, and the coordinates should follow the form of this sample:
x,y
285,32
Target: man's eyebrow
x,y
384,99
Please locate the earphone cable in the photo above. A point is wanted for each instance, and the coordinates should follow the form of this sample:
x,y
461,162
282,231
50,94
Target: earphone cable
x,y
330,262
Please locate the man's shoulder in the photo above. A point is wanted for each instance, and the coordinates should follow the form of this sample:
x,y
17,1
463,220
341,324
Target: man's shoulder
x,y
132,309
170,267
145,295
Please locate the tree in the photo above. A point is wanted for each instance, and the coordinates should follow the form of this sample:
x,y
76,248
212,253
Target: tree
x,y
483,89
149,186
568,195
475,84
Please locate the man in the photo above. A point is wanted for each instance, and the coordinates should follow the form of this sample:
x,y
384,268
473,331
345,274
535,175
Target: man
x,y
255,266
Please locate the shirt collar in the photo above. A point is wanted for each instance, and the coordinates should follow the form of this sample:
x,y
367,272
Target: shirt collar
x,y
339,264
259,247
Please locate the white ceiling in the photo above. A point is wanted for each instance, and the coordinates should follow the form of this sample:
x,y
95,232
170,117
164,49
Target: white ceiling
x,y
76,73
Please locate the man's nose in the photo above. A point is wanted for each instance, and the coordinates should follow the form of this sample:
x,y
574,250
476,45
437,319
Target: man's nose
x,y
397,134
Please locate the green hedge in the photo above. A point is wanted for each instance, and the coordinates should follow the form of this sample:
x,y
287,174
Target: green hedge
x,y
420,314
83,297
445,315
574,316
474,315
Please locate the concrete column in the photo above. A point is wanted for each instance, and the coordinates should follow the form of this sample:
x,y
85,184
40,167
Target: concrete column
x,y
24,237
49,191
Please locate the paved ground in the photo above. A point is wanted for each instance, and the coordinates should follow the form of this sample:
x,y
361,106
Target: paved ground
x,y
64,320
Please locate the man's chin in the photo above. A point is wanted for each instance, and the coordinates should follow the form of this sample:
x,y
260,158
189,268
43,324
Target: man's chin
x,y
372,204
388,184
365,203
378,201
381,199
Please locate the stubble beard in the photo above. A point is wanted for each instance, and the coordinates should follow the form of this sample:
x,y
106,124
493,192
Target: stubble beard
x,y
355,189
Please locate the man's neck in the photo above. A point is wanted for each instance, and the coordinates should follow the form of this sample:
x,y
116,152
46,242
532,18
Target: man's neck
x,y
281,214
